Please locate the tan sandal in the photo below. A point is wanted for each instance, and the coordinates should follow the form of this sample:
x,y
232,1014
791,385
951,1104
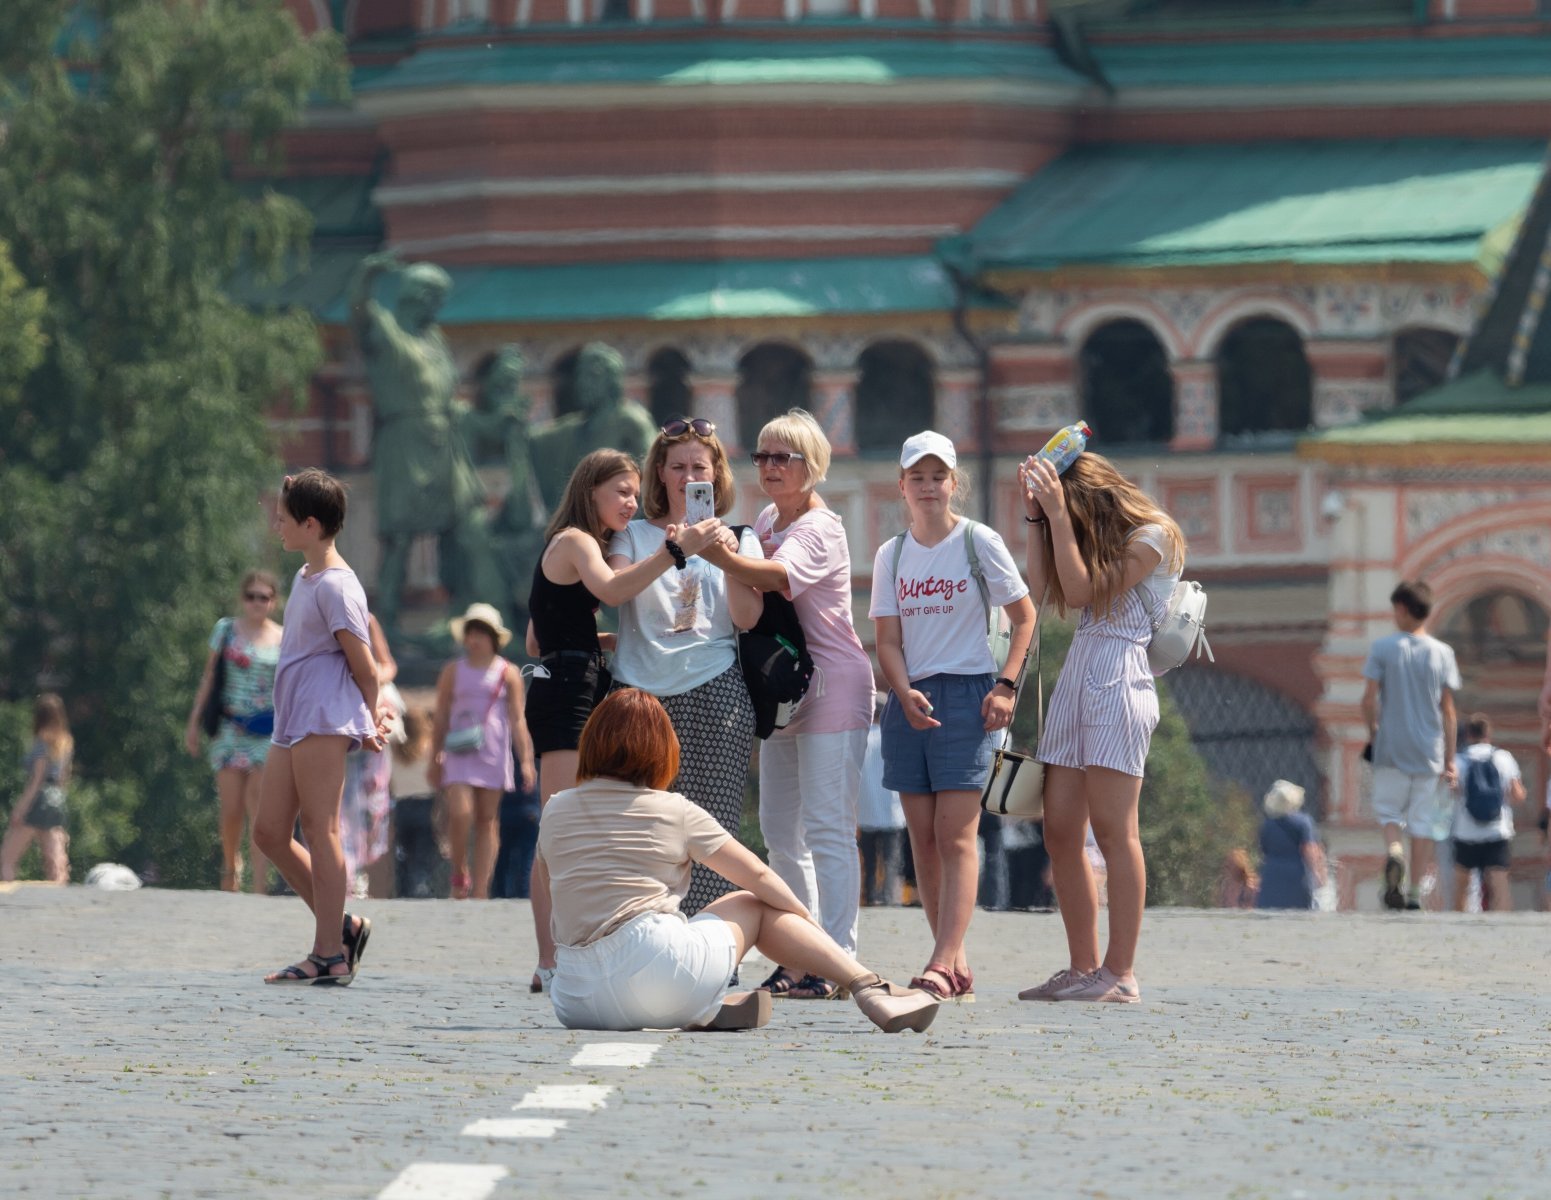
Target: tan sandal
x,y
890,1007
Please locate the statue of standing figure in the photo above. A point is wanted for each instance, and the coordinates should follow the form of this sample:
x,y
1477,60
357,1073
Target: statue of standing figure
x,y
426,483
607,418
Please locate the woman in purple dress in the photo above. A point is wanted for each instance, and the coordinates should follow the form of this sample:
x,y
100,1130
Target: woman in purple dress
x,y
479,722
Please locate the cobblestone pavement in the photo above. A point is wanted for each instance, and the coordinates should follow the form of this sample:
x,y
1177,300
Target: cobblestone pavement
x,y
1284,1056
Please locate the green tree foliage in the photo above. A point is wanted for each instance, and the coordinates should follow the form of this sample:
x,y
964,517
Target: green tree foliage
x,y
134,450
1188,821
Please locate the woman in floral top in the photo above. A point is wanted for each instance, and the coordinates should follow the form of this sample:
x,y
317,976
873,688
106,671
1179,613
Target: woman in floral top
x,y
249,650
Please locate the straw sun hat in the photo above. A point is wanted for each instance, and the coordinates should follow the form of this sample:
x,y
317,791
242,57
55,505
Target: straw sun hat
x,y
1283,798
481,614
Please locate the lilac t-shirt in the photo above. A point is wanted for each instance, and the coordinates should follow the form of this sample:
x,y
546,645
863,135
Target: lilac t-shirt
x,y
817,559
314,690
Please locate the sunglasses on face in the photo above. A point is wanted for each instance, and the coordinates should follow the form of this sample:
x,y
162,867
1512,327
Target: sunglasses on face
x,y
698,426
776,458
259,597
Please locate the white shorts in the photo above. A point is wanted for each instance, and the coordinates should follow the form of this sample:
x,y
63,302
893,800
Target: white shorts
x,y
1420,804
656,971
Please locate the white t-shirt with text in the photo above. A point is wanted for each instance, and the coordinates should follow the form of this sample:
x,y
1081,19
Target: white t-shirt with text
x,y
942,620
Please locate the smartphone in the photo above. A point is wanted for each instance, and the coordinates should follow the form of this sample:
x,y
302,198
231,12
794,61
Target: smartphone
x,y
699,503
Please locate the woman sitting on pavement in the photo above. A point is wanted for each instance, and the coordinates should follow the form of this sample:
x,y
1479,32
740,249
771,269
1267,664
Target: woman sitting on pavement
x,y
618,849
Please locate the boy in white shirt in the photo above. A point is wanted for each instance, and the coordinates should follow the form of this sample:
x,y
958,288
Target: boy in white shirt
x,y
1489,785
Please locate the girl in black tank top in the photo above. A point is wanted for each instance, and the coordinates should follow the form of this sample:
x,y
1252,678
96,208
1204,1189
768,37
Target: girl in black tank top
x,y
572,677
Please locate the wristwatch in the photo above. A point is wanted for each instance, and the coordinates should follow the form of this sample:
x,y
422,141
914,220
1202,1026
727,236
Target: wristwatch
x,y
1003,681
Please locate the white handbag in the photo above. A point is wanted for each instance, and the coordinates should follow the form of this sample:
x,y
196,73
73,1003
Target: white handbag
x,y
1016,785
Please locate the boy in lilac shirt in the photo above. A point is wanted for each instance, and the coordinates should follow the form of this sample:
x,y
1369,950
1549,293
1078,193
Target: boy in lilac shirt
x,y
325,706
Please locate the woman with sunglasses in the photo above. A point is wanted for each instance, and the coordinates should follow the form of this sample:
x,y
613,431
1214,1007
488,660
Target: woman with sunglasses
x,y
249,650
811,771
678,637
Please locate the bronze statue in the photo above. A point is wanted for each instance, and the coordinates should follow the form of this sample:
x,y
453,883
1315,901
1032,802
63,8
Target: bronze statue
x,y
607,418
425,481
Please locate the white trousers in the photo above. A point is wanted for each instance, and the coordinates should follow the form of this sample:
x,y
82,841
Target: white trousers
x,y
808,784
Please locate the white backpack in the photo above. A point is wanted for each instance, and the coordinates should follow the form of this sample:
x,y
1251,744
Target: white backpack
x,y
1180,630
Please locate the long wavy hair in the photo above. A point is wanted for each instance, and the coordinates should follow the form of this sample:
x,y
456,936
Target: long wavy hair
x,y
1106,509
51,726
577,506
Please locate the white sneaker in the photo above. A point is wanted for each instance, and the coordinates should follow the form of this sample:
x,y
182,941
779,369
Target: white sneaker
x,y
1102,987
1062,979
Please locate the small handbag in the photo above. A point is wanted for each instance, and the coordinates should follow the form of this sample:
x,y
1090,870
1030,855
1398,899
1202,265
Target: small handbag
x,y
210,716
469,739
1015,786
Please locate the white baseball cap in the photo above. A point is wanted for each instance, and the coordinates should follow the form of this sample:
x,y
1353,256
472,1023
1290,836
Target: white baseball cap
x,y
923,444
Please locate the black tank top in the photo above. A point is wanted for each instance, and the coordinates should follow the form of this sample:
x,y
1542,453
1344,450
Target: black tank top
x,y
564,615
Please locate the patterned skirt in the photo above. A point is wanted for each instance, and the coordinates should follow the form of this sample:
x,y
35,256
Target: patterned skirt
x,y
715,727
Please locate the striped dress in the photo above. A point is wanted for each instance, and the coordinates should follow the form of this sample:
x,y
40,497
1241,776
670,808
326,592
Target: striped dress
x,y
1105,704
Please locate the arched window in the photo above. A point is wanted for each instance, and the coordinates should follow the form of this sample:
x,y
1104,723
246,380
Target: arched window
x,y
1264,384
1497,629
1127,387
562,382
1422,359
771,379
895,395
669,393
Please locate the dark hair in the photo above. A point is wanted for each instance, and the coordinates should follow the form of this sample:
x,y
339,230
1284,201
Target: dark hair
x,y
1415,597
315,493
1478,727
629,737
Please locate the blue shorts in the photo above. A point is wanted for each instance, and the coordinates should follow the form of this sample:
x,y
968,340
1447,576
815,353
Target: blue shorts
x,y
956,756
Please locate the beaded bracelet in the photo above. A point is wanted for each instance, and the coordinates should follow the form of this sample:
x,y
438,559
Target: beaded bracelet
x,y
677,554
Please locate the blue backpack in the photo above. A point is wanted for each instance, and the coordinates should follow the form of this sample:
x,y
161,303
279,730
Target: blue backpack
x,y
1483,790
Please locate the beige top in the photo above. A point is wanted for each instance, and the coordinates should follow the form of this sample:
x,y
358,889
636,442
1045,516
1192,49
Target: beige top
x,y
616,850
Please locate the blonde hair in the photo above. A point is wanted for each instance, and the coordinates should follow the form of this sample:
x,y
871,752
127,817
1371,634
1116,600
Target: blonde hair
x,y
1107,509
799,429
259,575
577,507
654,493
51,726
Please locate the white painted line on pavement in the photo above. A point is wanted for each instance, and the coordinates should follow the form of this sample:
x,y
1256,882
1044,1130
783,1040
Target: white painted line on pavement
x,y
516,1127
444,1181
614,1054
582,1097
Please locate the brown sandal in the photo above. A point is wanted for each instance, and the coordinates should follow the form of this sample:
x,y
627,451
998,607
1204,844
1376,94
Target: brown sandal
x,y
946,990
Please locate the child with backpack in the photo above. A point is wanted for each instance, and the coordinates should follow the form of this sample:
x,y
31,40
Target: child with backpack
x,y
949,705
1489,785
1103,546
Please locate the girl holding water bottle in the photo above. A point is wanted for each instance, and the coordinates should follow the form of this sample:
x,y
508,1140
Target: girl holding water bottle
x,y
948,706
1104,547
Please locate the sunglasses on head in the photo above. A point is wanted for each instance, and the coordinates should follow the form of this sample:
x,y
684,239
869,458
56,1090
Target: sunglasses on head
x,y
776,458
698,426
265,597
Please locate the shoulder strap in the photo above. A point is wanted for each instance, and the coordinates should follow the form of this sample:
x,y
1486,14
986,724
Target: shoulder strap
x,y
1034,651
973,554
899,548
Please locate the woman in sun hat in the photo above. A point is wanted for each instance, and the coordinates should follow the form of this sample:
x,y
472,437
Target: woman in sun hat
x,y
479,722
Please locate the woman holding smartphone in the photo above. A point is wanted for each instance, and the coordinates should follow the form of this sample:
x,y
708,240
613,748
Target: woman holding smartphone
x,y
678,638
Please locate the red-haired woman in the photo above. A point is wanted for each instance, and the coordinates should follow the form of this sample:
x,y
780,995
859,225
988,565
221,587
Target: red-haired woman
x,y
619,848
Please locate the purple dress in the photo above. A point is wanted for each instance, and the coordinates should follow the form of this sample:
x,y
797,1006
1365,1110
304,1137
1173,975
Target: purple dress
x,y
314,690
491,765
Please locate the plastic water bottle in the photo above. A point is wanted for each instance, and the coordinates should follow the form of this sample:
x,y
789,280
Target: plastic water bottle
x,y
1062,450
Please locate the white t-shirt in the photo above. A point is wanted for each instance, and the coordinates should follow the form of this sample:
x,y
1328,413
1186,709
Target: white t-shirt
x,y
942,620
1156,589
678,633
1466,827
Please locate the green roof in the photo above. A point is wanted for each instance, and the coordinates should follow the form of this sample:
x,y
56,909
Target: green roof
x,y
1500,430
1324,202
729,61
1210,63
654,291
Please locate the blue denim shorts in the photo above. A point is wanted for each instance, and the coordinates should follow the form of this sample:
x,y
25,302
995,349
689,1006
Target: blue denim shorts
x,y
956,756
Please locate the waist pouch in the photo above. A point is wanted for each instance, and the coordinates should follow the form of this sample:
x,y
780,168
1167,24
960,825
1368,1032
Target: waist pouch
x,y
259,724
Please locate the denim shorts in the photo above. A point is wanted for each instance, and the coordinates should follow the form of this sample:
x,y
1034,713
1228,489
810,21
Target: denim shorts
x,y
956,756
